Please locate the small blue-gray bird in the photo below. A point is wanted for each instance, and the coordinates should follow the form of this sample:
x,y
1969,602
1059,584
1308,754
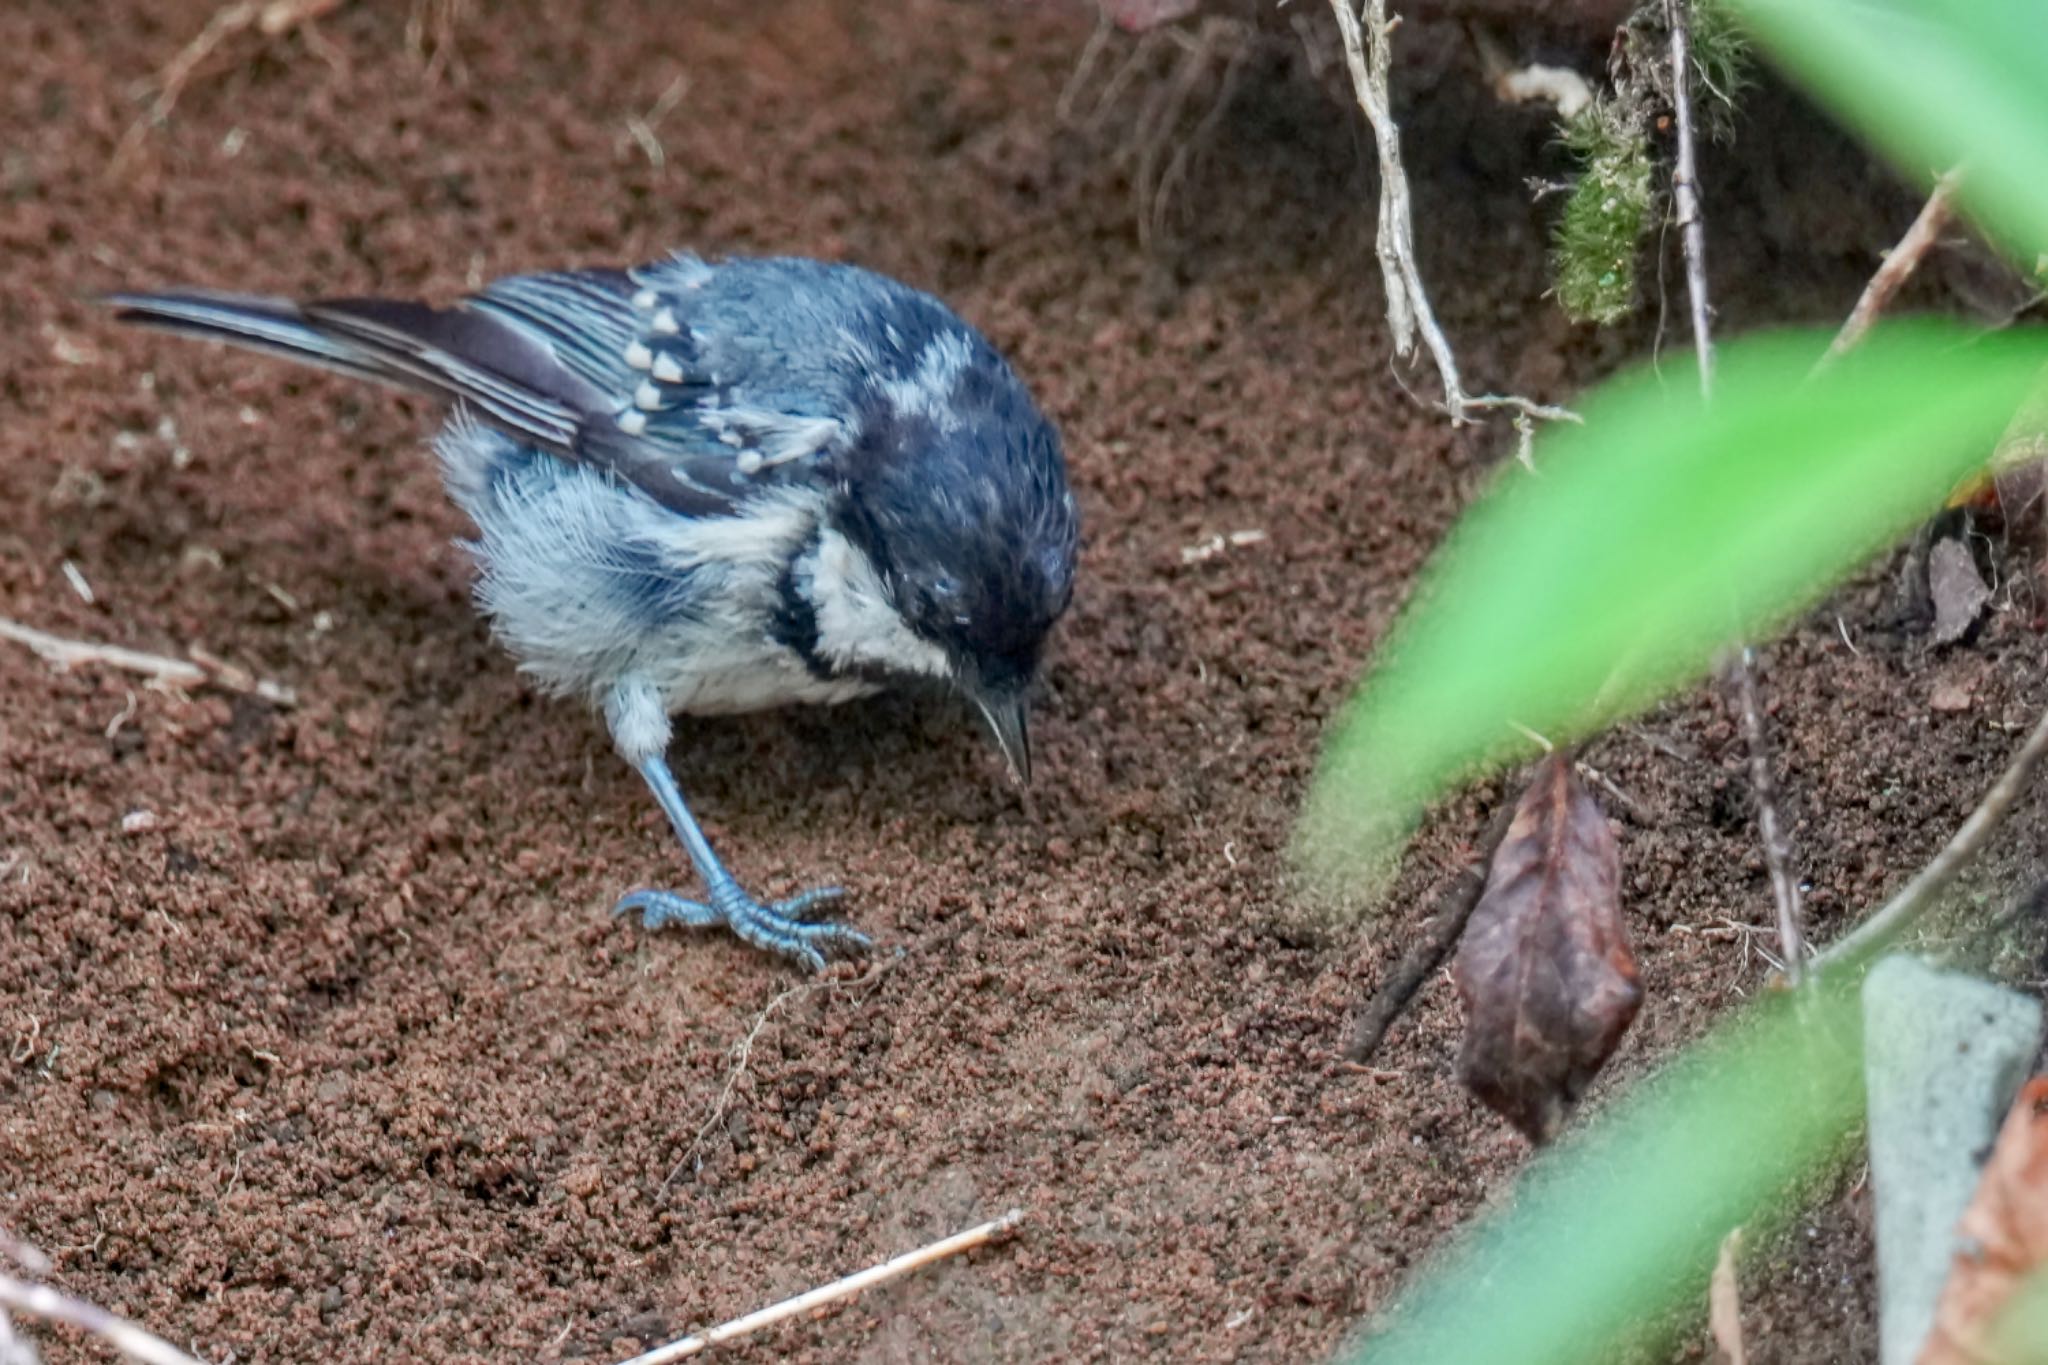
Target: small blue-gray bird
x,y
711,487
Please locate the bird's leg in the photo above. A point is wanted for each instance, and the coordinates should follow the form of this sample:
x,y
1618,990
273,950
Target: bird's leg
x,y
640,728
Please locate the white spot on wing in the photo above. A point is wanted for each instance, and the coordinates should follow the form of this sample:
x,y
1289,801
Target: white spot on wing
x,y
664,323
632,422
667,370
638,356
772,437
646,299
647,396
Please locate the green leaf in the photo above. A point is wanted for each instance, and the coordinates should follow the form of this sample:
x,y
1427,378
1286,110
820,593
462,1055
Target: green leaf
x,y
1647,541
1618,1225
1936,83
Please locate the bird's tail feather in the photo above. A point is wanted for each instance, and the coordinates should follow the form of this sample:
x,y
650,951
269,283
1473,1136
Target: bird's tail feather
x,y
259,322
464,356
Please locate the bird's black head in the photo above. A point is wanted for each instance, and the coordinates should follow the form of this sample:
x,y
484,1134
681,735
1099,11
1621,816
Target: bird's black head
x,y
957,492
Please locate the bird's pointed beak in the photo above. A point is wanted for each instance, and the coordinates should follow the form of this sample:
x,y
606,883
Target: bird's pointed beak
x,y
1008,717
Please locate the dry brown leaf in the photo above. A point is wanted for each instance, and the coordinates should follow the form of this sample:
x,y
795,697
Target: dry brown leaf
x,y
1547,979
2003,1236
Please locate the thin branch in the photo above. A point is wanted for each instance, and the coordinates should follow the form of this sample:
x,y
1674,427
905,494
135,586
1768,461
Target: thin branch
x,y
1447,919
1920,895
1741,671
1899,263
832,1293
41,1301
1777,847
1368,56
208,671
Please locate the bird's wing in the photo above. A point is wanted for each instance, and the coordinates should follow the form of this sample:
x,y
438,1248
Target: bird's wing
x,y
602,367
709,397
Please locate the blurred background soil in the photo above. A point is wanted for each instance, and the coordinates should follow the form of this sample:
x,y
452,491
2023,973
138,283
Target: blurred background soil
x,y
320,1043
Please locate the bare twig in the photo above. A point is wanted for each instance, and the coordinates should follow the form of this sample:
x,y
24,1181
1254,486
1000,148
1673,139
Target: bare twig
x,y
1919,896
1777,846
743,1053
645,129
1685,192
1741,669
1899,264
41,1301
1454,905
207,671
832,1293
1368,55
28,1257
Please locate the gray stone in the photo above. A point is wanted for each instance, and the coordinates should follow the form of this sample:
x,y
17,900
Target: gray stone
x,y
1943,1055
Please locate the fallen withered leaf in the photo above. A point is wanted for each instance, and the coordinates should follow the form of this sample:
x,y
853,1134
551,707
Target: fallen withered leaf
x,y
2003,1236
1545,972
1959,591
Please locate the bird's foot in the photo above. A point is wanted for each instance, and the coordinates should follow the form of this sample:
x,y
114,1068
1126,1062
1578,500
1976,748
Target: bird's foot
x,y
785,927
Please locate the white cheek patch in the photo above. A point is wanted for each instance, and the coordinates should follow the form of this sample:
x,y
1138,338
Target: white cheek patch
x,y
928,391
856,625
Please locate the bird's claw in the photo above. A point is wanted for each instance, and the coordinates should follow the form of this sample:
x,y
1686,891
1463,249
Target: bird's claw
x,y
786,927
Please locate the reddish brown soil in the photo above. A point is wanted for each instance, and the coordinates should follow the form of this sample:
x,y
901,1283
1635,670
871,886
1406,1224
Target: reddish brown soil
x,y
342,1057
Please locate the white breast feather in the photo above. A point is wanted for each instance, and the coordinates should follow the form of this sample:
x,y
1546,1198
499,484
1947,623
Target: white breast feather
x,y
550,577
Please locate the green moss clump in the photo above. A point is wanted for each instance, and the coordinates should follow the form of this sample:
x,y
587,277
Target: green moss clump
x,y
1599,237
1720,61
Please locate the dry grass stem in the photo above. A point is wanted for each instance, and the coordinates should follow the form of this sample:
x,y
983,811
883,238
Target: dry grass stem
x,y
270,18
1770,829
833,1292
1920,895
207,671
1899,264
41,1301
743,1052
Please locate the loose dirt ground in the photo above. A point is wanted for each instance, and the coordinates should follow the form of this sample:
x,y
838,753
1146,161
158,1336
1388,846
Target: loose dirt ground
x,y
341,1057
